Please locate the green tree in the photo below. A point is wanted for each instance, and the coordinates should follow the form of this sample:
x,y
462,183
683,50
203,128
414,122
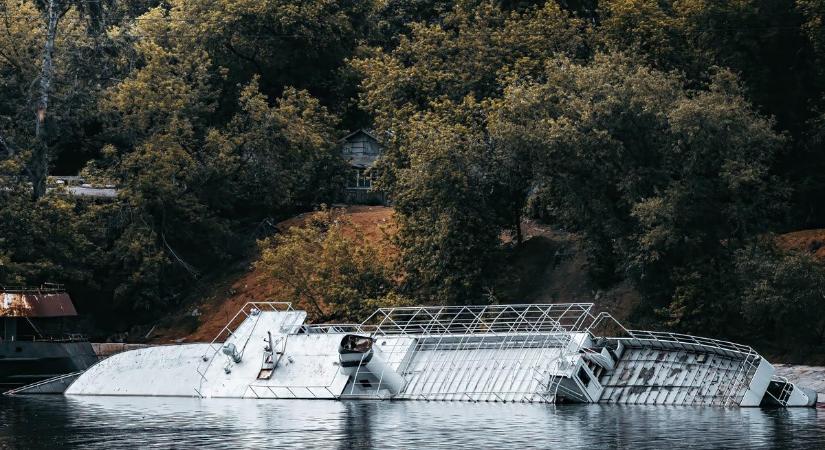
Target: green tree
x,y
454,187
663,182
762,40
783,296
41,241
55,61
770,44
445,206
287,43
807,172
192,178
813,12
463,54
393,17
273,158
327,267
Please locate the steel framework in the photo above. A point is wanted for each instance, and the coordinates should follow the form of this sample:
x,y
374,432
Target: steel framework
x,y
507,352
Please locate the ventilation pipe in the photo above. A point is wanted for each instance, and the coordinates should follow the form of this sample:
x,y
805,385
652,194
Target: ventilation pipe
x,y
358,355
231,351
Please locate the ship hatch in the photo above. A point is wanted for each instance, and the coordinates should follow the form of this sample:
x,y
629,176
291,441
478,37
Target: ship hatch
x,y
584,377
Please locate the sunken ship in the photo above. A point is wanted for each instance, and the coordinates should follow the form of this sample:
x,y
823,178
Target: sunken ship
x,y
552,353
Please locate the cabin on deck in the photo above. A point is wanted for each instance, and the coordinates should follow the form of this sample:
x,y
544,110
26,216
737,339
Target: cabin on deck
x,y
36,314
360,149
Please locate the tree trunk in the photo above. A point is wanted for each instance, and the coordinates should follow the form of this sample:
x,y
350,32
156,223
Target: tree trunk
x,y
39,166
519,237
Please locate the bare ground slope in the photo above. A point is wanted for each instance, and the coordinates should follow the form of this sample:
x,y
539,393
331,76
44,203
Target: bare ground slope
x,y
547,267
810,241
217,302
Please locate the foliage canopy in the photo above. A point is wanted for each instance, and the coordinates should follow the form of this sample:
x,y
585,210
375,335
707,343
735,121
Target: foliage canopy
x,y
672,136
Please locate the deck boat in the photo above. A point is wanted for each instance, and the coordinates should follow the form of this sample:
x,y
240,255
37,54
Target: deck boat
x,y
36,338
551,353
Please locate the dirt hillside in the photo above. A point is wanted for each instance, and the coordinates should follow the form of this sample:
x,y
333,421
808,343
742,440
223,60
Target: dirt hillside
x,y
810,241
204,318
547,267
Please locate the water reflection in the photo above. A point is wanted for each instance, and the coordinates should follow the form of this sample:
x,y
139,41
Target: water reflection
x,y
126,422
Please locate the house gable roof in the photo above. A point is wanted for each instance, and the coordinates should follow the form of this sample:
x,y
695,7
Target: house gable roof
x,y
360,131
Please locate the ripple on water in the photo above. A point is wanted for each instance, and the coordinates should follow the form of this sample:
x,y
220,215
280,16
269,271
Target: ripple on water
x,y
130,422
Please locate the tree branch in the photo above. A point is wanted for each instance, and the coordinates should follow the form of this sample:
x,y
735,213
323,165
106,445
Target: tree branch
x,y
250,59
5,146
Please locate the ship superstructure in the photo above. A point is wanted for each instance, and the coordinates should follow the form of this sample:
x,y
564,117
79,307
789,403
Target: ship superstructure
x,y
549,353
37,338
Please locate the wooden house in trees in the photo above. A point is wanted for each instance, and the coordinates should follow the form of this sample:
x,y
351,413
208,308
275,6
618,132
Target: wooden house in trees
x,y
361,149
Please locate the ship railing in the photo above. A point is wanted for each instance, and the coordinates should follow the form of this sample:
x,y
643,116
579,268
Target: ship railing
x,y
257,391
229,329
503,396
498,329
519,377
292,389
692,342
741,378
689,341
602,317
785,393
32,388
492,364
490,319
354,328
458,321
746,354
35,338
45,288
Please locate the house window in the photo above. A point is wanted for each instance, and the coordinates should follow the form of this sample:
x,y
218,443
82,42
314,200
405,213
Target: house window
x,y
361,179
364,179
355,148
370,148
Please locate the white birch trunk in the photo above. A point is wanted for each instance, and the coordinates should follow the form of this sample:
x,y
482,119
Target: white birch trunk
x,y
40,155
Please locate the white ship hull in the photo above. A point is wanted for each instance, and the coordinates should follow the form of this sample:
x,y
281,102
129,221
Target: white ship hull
x,y
519,353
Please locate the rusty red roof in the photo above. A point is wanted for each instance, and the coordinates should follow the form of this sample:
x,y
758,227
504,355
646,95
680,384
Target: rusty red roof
x,y
36,304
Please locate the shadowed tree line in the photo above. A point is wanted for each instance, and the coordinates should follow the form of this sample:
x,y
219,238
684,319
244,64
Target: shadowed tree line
x,y
673,136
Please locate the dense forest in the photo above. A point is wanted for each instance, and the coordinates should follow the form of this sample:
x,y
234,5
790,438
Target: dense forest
x,y
675,137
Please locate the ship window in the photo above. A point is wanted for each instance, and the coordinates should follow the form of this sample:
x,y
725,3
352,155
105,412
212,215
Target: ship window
x,y
356,344
18,349
365,383
584,377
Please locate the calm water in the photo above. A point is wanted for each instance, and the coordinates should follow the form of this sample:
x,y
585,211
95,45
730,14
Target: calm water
x,y
112,422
